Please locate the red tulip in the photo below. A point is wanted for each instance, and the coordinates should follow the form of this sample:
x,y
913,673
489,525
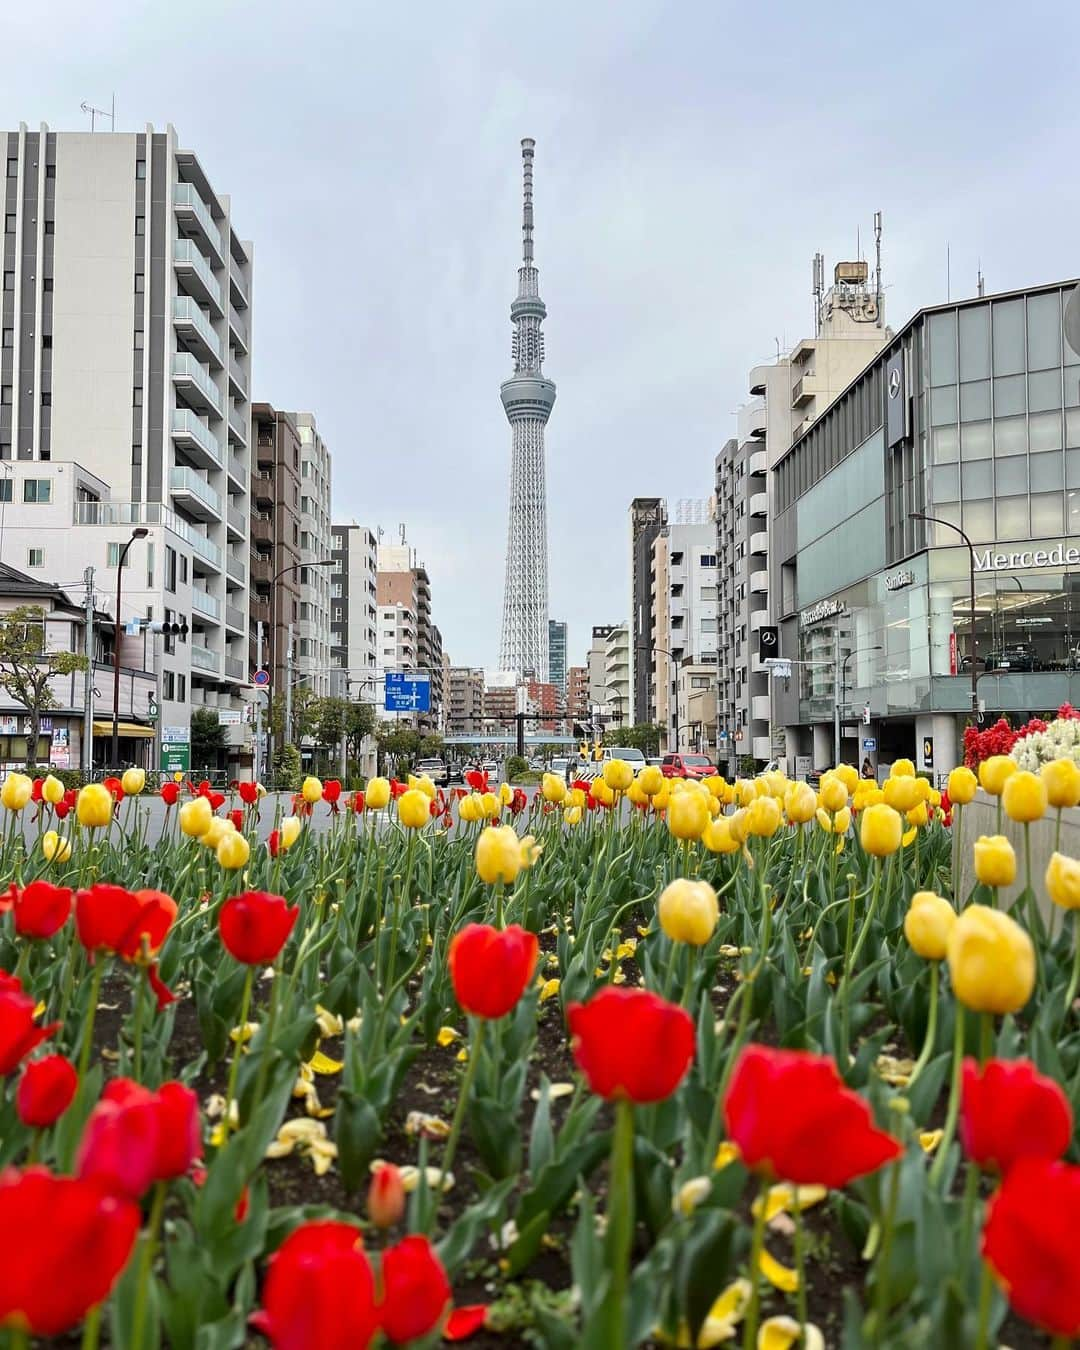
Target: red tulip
x,y
477,780
115,788
319,1291
18,1033
113,919
162,993
180,1134
415,1290
170,793
1010,1111
274,843
465,1321
35,789
237,818
386,1196
255,926
135,1137
41,909
331,791
67,1243
631,1044
397,789
356,801
1030,1243
9,984
792,1118
46,1090
491,969
249,793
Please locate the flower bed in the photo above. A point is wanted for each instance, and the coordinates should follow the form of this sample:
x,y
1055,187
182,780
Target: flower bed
x,y
638,1062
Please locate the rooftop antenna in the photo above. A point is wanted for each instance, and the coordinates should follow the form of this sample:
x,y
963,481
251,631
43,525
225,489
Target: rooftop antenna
x,y
819,290
948,272
980,285
95,113
879,293
401,531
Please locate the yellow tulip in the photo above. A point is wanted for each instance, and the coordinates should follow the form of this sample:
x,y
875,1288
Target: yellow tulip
x,y
962,786
311,789
577,797
717,836
933,798
618,775
18,789
715,783
837,823
376,794
763,817
52,790
745,791
216,831
991,961
881,830
1063,881
832,791
506,794
289,832
195,816
133,781
994,771
903,794
902,768
928,924
602,793
737,825
572,815
635,794
1062,779
1024,797
423,784
918,815
414,809
688,911
800,803
56,849
490,803
848,775
233,851
498,854
660,799
867,794
995,861
94,806
688,814
553,788
650,780
471,808
530,851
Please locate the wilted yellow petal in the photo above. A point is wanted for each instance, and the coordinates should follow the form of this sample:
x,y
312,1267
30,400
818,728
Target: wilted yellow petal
x,y
410,1176
447,1036
929,1139
462,1055
626,949
782,1277
241,1035
783,1333
726,949
642,930
39,1010
431,1127
784,1196
895,1072
552,961
909,836
550,989
329,1023
728,1152
321,1063
555,1091
731,1305
691,1194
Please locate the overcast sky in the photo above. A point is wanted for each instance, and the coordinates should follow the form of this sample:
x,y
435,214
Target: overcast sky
x,y
691,158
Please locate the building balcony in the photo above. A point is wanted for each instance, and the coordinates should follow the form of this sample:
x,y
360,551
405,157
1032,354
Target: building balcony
x,y
238,432
238,331
194,494
759,619
237,471
194,214
202,658
759,582
206,556
262,570
758,376
755,423
235,668
760,708
196,330
195,438
194,271
237,382
805,389
235,522
235,619
759,463
262,530
235,569
762,747
759,542
204,604
759,504
192,379
237,289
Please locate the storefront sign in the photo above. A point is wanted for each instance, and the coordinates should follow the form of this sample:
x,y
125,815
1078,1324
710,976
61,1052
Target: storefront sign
x,y
229,717
178,734
1059,556
824,609
899,580
175,758
953,661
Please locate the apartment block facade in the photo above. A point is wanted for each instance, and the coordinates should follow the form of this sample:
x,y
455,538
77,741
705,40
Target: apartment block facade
x,y
354,634
557,654
577,694
275,539
648,516
408,640
313,665
466,701
125,310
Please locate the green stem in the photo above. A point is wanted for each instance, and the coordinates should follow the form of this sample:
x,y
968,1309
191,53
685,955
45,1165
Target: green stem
x,y
234,1067
91,1013
140,990
500,901
691,972
268,1040
986,1295
620,1222
753,1312
882,1283
931,1026
1074,979
986,1036
18,1338
459,1112
146,1261
91,1332
949,1130
864,931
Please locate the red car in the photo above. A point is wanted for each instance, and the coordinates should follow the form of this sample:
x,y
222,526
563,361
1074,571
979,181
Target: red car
x,y
687,766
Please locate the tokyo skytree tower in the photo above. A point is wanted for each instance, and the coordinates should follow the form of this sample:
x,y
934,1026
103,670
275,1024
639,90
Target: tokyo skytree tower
x,y
527,398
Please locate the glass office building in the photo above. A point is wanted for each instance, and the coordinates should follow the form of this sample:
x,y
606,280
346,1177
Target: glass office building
x,y
971,415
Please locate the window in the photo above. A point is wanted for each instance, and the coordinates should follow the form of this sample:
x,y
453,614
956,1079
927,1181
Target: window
x,y
138,397
168,685
50,227
708,560
140,224
112,555
170,568
50,170
38,490
150,564
140,339
35,557
5,393
9,281
5,490
9,337
46,342
13,168
9,224
708,593
699,681
184,569
47,283
181,688
140,283
46,398
140,168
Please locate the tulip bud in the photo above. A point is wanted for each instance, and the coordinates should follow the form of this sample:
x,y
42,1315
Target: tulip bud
x,y
1063,881
800,803
995,861
233,851
991,961
994,771
1062,779
832,792
763,817
962,785
928,924
133,781
848,775
52,790
289,832
717,836
881,830
216,831
414,810
553,788
902,768
903,794
17,791
386,1196
311,789
688,912
688,814
377,793
54,848
498,855
618,775
1024,797
651,780
94,806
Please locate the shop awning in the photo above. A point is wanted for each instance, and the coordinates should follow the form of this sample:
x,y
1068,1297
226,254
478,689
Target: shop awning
x,y
124,729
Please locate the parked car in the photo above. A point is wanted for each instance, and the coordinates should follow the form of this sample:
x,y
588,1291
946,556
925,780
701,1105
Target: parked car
x,y
558,765
687,766
435,769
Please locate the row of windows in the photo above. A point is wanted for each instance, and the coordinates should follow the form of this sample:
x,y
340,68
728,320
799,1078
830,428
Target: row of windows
x,y
7,395
9,282
37,491
13,168
10,221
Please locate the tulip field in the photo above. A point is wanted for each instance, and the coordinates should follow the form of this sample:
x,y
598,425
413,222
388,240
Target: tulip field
x,y
632,1062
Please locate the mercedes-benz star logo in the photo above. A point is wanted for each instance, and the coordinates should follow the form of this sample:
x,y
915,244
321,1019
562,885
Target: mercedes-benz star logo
x,y
894,382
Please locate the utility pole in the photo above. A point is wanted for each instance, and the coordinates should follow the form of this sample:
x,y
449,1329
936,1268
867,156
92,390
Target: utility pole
x,y
258,701
288,684
88,688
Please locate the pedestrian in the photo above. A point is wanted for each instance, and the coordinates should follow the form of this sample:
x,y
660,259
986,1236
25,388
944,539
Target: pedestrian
x,y
867,768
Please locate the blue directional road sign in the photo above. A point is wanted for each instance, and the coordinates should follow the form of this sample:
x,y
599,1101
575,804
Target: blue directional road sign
x,y
407,692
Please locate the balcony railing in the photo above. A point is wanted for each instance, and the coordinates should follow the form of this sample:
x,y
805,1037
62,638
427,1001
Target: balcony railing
x,y
188,203
186,368
187,482
235,569
202,658
237,520
197,438
196,327
202,602
234,668
234,618
147,513
193,267
239,327
236,426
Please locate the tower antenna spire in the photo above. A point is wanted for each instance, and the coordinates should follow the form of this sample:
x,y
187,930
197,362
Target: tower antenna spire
x,y
528,147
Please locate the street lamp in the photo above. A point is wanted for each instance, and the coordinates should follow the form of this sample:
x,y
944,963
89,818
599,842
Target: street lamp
x,y
282,572
935,520
140,532
675,700
842,702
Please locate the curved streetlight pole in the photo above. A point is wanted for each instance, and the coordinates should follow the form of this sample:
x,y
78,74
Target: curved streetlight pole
x,y
140,532
935,520
675,700
842,704
282,572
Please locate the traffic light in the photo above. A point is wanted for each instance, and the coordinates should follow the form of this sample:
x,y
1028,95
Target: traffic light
x,y
169,629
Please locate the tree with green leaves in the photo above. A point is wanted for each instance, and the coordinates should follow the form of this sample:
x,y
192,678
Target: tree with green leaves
x,y
359,725
207,739
26,667
330,718
397,744
643,736
305,714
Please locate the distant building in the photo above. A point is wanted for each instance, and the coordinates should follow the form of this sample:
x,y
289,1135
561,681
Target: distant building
x,y
648,516
313,631
354,611
557,654
597,670
577,693
414,643
466,715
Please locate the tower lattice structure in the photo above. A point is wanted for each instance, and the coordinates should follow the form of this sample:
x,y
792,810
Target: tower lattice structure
x,y
527,398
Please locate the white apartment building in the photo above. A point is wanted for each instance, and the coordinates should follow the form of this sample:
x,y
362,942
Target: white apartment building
x,y
684,597
124,378
354,616
313,663
617,675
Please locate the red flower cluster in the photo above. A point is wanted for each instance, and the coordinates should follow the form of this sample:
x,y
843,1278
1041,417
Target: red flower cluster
x,y
478,780
41,909
631,1044
255,926
490,968
1011,1111
74,1239
996,740
130,924
793,1119
46,1090
321,1291
216,799
249,792
19,1034
135,1137
65,804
